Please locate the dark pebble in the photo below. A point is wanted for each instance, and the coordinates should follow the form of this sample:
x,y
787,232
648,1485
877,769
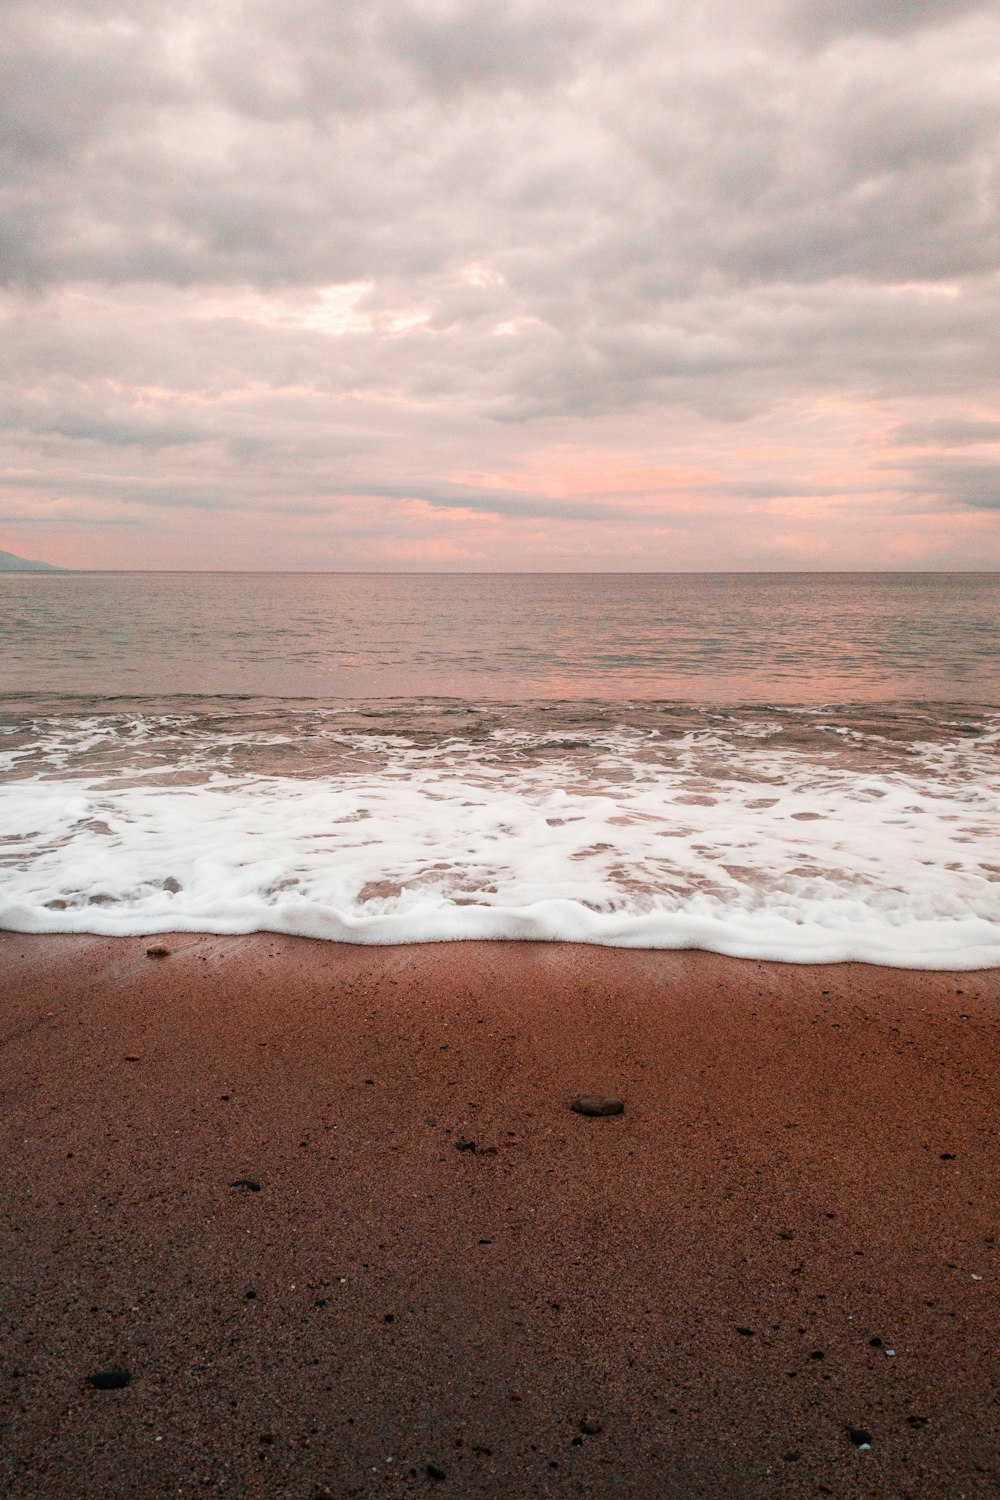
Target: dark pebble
x,y
249,1183
918,1421
792,1457
158,950
596,1104
250,1295
109,1380
591,1425
860,1437
746,1332
434,1471
876,1343
947,1156
463,1145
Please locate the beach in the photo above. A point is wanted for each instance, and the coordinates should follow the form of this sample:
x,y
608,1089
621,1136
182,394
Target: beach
x,y
330,1209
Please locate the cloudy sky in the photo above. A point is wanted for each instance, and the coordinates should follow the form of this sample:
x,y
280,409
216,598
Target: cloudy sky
x,y
471,284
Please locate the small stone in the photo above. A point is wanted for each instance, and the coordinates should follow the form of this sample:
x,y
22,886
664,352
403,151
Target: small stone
x,y
596,1105
792,1457
464,1145
947,1156
132,1057
591,1425
249,1184
109,1380
918,1421
434,1471
860,1437
158,950
746,1332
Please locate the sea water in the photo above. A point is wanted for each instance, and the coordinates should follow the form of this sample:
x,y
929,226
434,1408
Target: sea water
x,y
802,767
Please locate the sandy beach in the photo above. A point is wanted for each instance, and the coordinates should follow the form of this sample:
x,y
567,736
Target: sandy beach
x,y
329,1208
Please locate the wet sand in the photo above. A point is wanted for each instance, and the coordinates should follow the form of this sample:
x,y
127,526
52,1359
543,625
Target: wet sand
x,y
788,1237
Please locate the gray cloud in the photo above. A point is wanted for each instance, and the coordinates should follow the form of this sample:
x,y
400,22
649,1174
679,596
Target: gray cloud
x,y
967,485
822,20
945,432
555,216
306,142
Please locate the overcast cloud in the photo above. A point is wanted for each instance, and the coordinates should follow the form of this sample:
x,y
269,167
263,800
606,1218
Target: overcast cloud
x,y
412,283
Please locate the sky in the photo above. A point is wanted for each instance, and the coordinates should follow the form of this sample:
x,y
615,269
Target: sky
x,y
500,284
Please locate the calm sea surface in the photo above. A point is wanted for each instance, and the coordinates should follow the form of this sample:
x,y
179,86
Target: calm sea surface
x,y
795,766
708,638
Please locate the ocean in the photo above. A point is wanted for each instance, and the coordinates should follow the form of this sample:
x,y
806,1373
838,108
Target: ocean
x,y
803,767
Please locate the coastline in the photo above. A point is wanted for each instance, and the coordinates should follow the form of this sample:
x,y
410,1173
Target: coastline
x,y
807,1152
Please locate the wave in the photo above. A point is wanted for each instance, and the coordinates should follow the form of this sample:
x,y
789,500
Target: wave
x,y
806,836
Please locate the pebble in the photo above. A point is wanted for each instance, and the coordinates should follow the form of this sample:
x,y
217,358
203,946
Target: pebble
x,y
860,1437
109,1380
434,1471
591,1425
596,1104
158,950
249,1183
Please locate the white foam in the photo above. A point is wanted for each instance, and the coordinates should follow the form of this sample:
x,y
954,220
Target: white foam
x,y
704,840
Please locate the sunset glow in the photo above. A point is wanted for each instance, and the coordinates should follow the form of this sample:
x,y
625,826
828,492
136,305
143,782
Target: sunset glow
x,y
541,287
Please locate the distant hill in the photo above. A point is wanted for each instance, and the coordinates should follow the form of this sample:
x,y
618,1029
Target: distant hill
x,y
11,563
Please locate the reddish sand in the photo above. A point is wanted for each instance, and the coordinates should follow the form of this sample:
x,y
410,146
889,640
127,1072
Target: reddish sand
x,y
805,1178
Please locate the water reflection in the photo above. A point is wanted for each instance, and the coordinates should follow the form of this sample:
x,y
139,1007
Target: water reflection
x,y
792,638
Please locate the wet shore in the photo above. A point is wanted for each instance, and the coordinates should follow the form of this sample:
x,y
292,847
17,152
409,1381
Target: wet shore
x,y
329,1209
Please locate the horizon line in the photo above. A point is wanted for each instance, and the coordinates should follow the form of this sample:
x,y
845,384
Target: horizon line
x,y
56,570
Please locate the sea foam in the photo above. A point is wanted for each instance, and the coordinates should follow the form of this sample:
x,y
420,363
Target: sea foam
x,y
759,835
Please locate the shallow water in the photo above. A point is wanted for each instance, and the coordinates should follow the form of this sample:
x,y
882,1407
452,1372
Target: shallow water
x,y
794,827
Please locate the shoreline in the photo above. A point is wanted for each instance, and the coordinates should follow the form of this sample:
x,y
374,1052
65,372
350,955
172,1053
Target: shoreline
x,y
807,1152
